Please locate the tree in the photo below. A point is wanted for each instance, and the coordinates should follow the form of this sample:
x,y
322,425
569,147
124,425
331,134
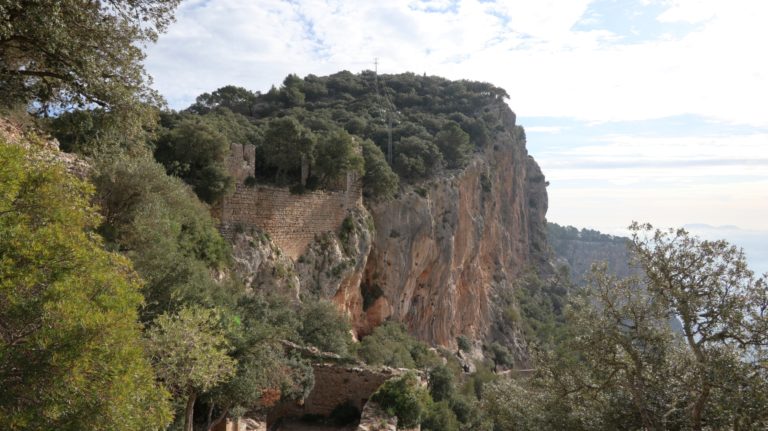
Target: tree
x,y
337,155
722,306
237,99
70,351
91,132
195,151
441,383
288,145
158,223
379,181
391,345
622,366
416,157
454,145
440,417
190,354
265,373
323,326
405,398
72,52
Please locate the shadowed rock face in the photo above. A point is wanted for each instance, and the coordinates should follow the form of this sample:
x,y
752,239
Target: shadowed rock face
x,y
444,252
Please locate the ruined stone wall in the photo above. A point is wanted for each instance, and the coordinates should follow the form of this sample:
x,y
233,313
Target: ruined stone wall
x,y
334,386
291,220
241,162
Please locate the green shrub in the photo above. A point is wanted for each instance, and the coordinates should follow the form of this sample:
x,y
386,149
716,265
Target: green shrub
x,y
440,417
501,355
454,145
441,383
464,344
194,150
405,398
323,326
416,158
379,181
390,344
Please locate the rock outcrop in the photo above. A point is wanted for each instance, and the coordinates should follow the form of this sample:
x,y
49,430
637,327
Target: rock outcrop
x,y
445,250
440,257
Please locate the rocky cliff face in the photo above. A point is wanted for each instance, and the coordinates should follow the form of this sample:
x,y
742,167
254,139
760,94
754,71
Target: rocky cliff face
x,y
445,251
442,256
578,250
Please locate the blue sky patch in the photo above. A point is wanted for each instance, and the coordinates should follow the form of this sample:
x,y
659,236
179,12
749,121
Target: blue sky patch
x,y
632,20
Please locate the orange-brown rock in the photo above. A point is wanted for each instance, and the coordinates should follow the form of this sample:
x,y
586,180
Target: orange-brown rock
x,y
445,251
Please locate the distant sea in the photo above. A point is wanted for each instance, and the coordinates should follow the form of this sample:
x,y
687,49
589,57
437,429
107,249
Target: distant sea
x,y
753,242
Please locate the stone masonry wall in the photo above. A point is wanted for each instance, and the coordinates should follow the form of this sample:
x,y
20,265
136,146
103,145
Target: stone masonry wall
x,y
334,386
291,220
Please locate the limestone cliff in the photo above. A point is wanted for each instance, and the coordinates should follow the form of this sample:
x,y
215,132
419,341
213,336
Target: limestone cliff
x,y
445,251
441,257
579,249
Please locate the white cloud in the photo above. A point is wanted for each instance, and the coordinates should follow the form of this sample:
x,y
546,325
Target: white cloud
x,y
544,129
716,70
528,47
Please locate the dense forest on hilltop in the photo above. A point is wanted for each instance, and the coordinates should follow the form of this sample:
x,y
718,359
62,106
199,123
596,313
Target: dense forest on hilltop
x,y
333,125
120,309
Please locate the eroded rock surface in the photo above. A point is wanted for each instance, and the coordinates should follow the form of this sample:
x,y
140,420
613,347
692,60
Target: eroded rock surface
x,y
446,250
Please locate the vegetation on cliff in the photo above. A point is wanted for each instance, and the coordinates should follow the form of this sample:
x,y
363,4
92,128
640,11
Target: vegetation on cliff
x,y
119,307
320,124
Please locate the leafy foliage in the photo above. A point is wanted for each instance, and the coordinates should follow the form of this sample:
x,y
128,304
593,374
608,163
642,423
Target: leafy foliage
x,y
323,326
189,351
158,223
70,350
441,383
96,131
236,99
265,373
69,52
390,344
379,182
454,144
621,366
440,417
433,121
195,151
336,155
287,142
404,398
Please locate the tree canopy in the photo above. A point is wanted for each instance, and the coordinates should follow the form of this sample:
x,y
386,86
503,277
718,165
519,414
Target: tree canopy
x,y
622,366
67,53
70,350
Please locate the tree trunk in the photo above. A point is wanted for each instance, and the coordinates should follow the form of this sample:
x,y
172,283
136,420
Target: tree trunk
x,y
221,417
190,411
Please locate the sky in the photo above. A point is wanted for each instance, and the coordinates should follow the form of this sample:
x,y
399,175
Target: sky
x,y
647,110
